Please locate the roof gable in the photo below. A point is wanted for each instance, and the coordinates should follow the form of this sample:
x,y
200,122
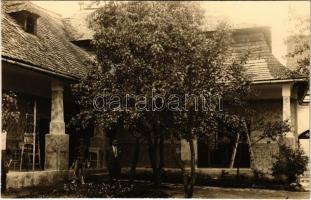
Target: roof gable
x,y
50,49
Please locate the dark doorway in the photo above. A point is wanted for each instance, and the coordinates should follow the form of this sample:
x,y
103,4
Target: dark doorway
x,y
242,159
213,157
204,155
43,129
216,151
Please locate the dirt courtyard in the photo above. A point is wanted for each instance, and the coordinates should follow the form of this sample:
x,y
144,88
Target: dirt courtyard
x,y
145,190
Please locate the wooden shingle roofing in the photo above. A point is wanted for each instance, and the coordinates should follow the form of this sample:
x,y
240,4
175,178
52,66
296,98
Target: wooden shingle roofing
x,y
262,64
50,49
77,26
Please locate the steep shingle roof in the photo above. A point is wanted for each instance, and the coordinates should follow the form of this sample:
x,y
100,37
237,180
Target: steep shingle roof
x,y
77,26
258,69
262,64
49,49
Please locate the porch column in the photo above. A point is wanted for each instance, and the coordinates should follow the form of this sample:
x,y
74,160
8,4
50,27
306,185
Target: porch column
x,y
286,94
57,142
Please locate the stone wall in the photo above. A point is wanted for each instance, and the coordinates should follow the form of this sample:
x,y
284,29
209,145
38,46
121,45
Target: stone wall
x,y
264,150
37,178
263,156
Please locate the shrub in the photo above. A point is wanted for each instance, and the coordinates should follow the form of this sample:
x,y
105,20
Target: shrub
x,y
289,163
89,190
258,174
10,112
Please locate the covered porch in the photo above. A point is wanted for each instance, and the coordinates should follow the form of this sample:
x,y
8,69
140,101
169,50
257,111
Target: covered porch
x,y
272,100
39,142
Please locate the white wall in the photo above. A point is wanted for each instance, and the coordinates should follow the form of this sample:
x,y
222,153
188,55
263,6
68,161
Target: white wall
x,y
305,146
302,125
302,118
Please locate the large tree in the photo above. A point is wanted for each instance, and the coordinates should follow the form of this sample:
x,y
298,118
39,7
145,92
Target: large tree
x,y
148,49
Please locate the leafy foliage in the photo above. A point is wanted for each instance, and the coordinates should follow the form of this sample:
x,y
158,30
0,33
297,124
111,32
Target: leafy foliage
x,y
88,190
159,47
10,113
290,163
272,130
143,47
300,46
275,129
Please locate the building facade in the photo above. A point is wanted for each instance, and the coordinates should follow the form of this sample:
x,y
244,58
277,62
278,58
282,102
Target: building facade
x,y
43,54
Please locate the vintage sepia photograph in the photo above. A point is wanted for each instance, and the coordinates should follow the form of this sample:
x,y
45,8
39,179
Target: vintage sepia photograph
x,y
155,99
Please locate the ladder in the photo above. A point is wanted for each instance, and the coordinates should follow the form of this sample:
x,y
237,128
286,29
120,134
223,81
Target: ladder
x,y
30,153
30,150
16,154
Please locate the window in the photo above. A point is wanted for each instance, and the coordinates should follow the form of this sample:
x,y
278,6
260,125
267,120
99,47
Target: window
x,y
27,21
30,25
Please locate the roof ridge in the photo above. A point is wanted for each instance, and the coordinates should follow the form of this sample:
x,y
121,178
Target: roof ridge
x,y
46,10
36,8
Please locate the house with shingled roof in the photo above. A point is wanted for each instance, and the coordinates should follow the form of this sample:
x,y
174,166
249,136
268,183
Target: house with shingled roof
x,y
43,54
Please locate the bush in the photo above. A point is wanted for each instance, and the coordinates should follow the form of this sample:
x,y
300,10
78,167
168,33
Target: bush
x,y
88,190
289,163
10,112
101,190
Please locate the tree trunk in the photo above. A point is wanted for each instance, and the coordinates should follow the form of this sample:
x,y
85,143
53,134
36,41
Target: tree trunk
x,y
154,157
161,161
247,127
189,180
161,152
151,151
135,160
156,170
250,148
234,150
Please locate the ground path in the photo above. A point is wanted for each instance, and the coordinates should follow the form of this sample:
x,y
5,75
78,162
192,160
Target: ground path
x,y
234,193
176,191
